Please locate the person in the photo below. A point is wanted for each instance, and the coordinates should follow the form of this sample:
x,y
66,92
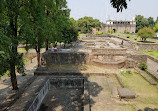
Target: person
x,y
54,49
122,42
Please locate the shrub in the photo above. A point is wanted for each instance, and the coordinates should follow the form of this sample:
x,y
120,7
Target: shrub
x,y
101,33
128,72
125,31
128,32
143,66
97,33
135,38
122,72
128,36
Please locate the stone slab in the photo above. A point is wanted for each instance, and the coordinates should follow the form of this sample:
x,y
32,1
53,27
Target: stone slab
x,y
126,93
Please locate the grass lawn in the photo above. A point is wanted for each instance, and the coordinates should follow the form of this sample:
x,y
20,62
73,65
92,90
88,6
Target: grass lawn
x,y
80,35
146,94
152,53
21,50
133,36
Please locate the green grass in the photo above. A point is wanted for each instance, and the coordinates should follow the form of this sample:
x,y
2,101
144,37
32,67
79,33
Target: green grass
x,y
1,76
26,60
152,53
80,35
132,36
150,77
147,94
21,50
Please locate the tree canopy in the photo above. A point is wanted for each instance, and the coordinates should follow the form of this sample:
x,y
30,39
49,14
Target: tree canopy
x,y
156,27
119,4
141,22
86,24
146,32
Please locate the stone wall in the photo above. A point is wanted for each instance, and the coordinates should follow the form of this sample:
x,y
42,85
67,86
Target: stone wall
x,y
110,51
152,65
49,58
147,46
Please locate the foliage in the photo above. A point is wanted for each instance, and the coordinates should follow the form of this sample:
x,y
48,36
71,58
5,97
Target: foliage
x,y
141,22
110,31
119,4
125,31
146,32
70,34
156,27
152,53
143,66
128,36
86,24
135,38
151,22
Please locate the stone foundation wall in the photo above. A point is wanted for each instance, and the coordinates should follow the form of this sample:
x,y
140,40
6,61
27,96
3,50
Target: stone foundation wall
x,y
109,51
49,58
152,65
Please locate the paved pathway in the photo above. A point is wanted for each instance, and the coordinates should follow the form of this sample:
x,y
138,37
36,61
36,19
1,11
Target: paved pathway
x,y
5,84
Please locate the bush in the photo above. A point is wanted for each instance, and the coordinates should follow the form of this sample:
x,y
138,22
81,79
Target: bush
x,y
128,32
143,66
101,33
128,72
97,33
128,36
135,38
125,31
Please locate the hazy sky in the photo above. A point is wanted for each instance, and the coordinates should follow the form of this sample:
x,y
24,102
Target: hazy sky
x,y
102,10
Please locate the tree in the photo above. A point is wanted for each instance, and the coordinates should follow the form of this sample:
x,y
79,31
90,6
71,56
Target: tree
x,y
141,22
151,22
156,27
156,20
86,24
12,20
145,32
70,33
119,4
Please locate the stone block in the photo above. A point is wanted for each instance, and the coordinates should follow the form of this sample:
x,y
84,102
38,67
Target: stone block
x,y
126,93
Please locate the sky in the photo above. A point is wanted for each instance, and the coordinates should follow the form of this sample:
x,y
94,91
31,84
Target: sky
x,y
102,9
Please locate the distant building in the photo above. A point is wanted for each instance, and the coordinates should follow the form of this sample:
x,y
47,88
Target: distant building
x,y
119,26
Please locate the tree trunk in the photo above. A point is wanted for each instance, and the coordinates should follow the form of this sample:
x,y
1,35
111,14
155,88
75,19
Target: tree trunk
x,y
38,59
13,77
47,45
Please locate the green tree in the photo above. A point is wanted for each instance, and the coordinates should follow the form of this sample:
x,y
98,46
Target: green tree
x,y
86,24
156,20
58,15
13,14
141,22
119,4
145,32
151,22
156,27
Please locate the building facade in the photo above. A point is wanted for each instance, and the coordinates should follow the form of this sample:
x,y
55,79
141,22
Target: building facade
x,y
119,26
